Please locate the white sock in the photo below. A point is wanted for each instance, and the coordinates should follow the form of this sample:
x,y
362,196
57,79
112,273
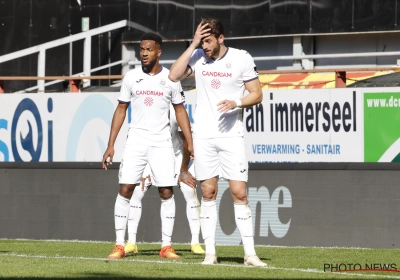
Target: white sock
x,y
167,213
121,212
244,222
192,211
135,213
208,221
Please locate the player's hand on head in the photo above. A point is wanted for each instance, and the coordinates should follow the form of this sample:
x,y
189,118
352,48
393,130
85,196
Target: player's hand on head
x,y
202,31
187,178
108,154
226,105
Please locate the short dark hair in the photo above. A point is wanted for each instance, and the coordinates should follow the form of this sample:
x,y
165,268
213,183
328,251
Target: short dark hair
x,y
216,26
152,36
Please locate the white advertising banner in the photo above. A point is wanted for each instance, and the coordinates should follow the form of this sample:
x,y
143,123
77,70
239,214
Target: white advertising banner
x,y
58,127
319,125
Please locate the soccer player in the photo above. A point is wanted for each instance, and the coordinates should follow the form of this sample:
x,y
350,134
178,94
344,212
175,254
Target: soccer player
x,y
182,163
150,93
222,76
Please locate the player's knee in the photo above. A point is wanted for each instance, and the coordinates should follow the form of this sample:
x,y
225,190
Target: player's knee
x,y
239,197
165,192
126,190
209,195
209,191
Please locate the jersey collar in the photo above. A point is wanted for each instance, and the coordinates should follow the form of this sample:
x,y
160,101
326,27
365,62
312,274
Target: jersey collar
x,y
209,60
161,68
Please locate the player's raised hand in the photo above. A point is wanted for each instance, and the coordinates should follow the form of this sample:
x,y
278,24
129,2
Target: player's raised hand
x,y
202,31
226,105
187,178
109,153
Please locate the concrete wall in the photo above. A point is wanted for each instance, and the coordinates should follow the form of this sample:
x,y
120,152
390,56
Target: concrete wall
x,y
310,204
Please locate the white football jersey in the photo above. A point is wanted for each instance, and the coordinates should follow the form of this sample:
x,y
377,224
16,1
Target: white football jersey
x,y
150,97
216,81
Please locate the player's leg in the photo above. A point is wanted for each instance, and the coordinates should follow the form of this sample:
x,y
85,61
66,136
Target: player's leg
x,y
234,167
209,218
207,171
164,178
121,212
135,213
131,169
193,216
167,214
192,207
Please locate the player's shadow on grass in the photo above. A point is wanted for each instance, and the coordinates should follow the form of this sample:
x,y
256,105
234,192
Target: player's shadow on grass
x,y
183,253
147,253
237,260
118,277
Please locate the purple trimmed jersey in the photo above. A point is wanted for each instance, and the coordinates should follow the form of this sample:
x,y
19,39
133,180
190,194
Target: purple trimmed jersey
x,y
217,80
150,97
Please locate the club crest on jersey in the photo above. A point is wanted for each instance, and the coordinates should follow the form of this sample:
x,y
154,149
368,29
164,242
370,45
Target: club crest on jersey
x,y
215,83
148,101
163,82
228,64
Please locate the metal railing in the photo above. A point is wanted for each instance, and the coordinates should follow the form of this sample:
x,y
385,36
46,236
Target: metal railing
x,y
87,45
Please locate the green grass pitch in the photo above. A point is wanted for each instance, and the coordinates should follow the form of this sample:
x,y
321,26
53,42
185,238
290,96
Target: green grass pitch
x,y
54,259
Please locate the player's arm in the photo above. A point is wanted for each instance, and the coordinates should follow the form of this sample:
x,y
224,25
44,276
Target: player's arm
x,y
254,97
180,68
184,123
116,124
184,175
251,83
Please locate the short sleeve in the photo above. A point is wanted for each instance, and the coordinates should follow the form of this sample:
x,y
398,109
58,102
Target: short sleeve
x,y
196,55
178,96
125,92
249,68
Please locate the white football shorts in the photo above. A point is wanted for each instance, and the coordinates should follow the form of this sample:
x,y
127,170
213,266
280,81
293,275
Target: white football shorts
x,y
223,156
178,163
160,159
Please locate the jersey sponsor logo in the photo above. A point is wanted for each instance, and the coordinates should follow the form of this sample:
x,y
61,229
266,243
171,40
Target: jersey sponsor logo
x,y
217,74
149,92
138,81
183,94
215,83
148,101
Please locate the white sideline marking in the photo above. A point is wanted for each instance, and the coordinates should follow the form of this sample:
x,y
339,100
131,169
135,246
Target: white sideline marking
x,y
112,242
308,270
